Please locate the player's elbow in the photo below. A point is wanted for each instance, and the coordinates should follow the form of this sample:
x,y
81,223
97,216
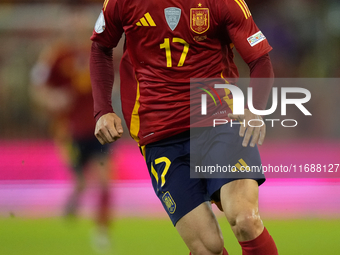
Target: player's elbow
x,y
261,67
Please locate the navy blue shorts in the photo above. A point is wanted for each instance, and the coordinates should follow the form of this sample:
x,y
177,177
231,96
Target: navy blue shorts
x,y
169,162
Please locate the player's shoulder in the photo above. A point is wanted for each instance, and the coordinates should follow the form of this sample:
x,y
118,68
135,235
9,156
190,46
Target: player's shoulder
x,y
112,5
234,10
119,8
109,4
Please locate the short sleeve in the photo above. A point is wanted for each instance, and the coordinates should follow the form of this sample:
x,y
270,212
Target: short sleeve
x,y
108,28
249,41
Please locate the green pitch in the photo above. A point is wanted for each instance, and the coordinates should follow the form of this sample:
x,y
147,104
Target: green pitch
x,y
153,237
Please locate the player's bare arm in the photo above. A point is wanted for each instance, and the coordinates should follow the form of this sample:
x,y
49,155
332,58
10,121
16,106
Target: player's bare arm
x,y
108,128
257,130
259,68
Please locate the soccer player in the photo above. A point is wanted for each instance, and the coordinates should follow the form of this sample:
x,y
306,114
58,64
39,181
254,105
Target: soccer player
x,y
168,42
62,87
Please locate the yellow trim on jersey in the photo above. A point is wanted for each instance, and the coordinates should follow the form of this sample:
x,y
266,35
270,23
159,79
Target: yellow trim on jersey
x,y
105,4
143,151
226,81
135,122
244,8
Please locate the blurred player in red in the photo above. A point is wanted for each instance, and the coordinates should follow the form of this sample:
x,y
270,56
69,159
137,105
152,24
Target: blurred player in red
x,y
169,42
62,87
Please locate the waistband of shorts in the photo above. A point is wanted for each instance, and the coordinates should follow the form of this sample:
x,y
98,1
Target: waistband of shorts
x,y
181,137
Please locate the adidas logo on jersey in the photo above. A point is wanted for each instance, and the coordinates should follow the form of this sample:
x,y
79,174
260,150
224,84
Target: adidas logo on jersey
x,y
146,21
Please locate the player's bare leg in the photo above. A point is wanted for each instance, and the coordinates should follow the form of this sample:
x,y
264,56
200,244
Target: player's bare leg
x,y
201,232
240,204
72,203
103,175
101,239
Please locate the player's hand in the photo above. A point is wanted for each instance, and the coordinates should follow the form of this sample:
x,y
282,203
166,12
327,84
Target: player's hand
x,y
258,129
108,128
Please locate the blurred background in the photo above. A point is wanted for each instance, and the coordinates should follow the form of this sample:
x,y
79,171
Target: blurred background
x,y
36,178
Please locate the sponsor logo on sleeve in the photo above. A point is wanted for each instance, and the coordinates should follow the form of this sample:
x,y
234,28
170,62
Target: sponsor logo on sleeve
x,y
256,38
99,27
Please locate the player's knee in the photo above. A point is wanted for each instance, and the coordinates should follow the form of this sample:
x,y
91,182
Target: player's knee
x,y
210,245
247,224
215,245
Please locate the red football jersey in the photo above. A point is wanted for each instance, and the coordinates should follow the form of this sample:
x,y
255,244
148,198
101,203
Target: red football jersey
x,y
168,43
67,68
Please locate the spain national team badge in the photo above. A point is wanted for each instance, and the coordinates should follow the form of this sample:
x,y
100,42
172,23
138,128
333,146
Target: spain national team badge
x,y
169,202
172,16
199,20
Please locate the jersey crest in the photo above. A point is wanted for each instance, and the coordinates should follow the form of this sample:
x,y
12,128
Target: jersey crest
x,y
199,20
169,202
172,16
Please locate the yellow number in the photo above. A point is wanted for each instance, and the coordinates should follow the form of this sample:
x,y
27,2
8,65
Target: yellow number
x,y
166,168
185,50
166,46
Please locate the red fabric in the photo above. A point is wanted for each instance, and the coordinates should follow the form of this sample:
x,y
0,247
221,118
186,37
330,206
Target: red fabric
x,y
164,59
261,68
225,252
103,216
262,245
68,70
128,87
102,77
